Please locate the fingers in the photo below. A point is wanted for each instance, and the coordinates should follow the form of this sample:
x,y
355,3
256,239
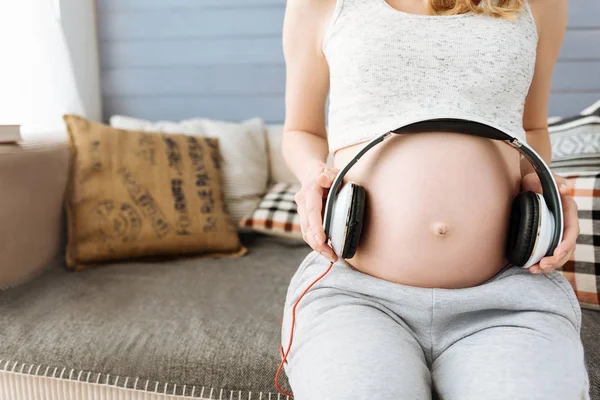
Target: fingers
x,y
315,232
299,198
558,261
564,250
535,269
531,182
548,264
325,180
314,203
572,229
310,204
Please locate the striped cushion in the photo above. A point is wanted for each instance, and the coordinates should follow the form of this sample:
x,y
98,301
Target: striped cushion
x,y
277,213
583,269
576,141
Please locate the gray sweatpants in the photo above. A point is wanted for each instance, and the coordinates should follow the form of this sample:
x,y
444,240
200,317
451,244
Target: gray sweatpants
x,y
359,337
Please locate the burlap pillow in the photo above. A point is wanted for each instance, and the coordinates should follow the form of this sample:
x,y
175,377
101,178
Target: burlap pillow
x,y
137,194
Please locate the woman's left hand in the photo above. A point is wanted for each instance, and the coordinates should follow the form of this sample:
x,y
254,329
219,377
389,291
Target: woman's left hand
x,y
562,253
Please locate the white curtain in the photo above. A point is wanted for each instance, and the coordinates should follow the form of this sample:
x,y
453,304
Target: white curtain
x,y
12,52
60,65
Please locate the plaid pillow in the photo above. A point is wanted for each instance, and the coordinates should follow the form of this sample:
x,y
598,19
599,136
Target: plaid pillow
x,y
277,213
583,269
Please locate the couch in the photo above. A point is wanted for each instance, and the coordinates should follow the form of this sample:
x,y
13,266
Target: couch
x,y
183,328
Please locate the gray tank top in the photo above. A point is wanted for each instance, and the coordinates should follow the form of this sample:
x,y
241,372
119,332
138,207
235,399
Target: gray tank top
x,y
389,68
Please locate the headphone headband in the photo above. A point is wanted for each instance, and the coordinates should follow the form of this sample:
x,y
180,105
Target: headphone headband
x,y
550,190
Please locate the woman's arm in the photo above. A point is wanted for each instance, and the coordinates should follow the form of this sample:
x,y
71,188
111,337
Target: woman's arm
x,y
304,144
305,147
551,19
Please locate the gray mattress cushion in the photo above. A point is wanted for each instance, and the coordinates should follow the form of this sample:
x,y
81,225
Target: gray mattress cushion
x,y
195,322
199,322
590,334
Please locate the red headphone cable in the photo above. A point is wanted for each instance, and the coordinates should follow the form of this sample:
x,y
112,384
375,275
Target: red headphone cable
x,y
285,355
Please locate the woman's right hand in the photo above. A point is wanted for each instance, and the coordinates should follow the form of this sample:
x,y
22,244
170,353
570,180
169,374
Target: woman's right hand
x,y
310,199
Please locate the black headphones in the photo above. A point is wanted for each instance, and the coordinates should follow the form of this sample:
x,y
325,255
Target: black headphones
x,y
536,221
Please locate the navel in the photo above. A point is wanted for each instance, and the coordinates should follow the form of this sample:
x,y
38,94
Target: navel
x,y
441,229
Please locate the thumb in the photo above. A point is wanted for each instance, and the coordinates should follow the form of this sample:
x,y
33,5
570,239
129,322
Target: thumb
x,y
531,182
327,176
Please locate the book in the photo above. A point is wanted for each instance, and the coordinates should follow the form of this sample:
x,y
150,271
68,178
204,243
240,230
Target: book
x,y
10,133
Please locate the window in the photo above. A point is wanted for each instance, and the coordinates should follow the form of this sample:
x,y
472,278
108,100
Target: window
x,y
13,66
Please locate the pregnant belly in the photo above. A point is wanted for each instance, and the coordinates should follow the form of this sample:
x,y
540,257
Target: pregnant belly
x,y
437,208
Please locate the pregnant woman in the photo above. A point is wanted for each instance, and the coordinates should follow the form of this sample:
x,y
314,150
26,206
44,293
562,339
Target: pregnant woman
x,y
428,303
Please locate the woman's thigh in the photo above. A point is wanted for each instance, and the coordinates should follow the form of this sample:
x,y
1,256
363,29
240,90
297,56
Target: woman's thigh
x,y
512,363
347,346
516,337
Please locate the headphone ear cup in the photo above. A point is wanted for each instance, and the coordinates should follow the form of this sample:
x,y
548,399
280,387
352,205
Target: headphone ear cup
x,y
346,220
523,228
355,222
